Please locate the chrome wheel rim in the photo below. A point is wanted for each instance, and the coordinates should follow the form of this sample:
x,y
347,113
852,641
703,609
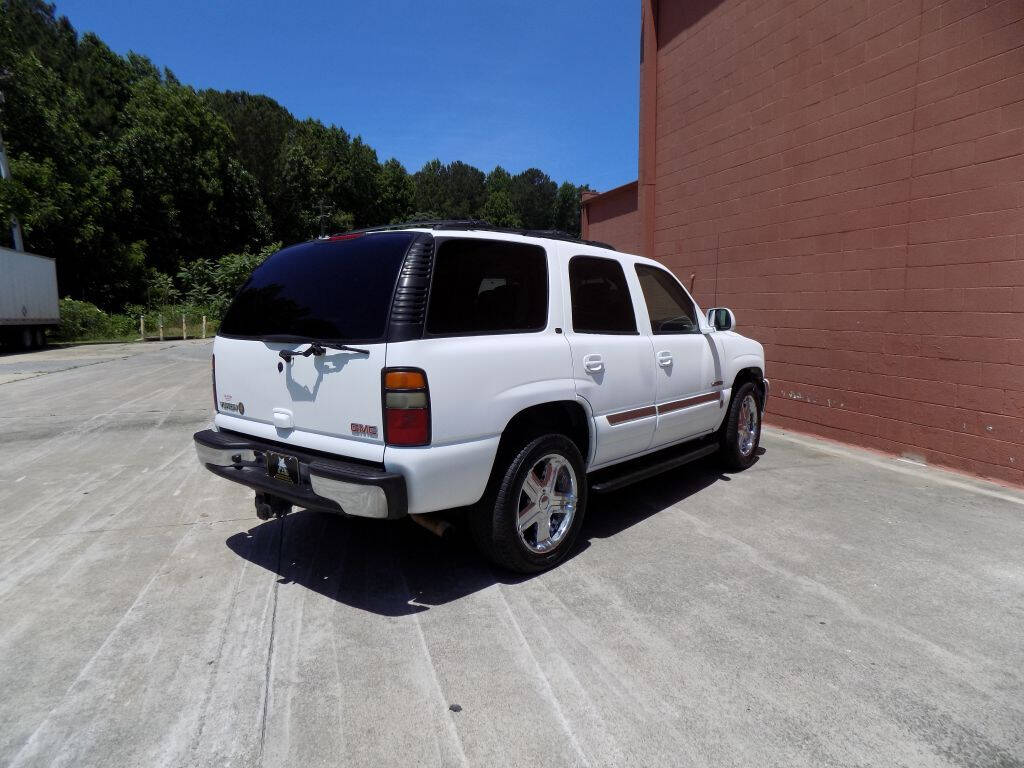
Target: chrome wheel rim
x,y
747,428
547,503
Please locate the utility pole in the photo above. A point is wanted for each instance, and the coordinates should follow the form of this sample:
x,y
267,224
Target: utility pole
x,y
5,174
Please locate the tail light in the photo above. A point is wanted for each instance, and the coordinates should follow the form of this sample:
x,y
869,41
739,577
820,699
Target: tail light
x,y
213,380
406,407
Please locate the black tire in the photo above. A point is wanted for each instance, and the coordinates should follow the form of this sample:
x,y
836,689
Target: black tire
x,y
493,523
736,453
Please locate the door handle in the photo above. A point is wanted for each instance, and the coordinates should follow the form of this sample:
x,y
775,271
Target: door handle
x,y
593,363
664,358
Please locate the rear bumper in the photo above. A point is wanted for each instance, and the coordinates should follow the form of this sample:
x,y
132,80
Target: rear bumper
x,y
327,484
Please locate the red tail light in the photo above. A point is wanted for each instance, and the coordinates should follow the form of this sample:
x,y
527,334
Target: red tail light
x,y
213,380
406,407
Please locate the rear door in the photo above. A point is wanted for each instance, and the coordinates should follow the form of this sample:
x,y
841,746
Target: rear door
x,y
335,292
613,363
688,369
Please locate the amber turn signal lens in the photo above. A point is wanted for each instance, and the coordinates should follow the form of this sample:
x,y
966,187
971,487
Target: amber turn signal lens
x,y
404,380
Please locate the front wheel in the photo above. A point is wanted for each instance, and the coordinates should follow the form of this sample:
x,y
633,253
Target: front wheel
x,y
741,432
531,517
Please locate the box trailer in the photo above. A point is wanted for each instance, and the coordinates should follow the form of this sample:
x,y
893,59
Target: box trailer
x,y
28,298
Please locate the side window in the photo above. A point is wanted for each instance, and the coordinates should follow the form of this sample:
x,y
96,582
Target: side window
x,y
488,286
668,305
600,296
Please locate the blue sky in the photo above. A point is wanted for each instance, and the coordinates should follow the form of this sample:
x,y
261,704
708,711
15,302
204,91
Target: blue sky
x,y
551,84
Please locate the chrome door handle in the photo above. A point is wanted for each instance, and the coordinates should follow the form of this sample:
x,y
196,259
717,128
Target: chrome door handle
x,y
593,363
664,358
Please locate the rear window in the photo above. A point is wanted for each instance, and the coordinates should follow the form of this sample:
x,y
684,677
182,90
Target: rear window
x,y
488,286
329,290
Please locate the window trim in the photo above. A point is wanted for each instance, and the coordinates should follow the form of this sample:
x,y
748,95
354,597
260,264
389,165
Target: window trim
x,y
629,295
693,305
439,242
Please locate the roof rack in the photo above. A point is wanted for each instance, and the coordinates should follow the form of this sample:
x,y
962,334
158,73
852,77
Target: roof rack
x,y
477,224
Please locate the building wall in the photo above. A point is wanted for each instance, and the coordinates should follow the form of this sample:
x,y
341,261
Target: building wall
x,y
613,218
848,176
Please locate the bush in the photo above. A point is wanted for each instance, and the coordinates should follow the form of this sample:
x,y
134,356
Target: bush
x,y
206,286
80,320
122,326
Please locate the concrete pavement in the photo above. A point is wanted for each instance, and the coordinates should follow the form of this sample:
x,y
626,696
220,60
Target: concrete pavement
x,y
826,607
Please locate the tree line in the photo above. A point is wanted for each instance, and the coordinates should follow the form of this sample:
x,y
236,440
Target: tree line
x,y
143,187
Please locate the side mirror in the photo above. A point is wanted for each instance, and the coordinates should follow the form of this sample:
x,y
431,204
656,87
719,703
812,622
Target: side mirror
x,y
721,319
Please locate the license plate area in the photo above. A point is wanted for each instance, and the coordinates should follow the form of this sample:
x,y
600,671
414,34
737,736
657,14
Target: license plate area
x,y
283,468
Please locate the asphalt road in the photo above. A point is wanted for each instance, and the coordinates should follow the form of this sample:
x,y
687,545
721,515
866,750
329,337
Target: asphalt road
x,y
826,607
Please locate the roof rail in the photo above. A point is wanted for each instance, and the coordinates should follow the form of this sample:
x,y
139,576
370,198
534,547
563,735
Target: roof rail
x,y
477,224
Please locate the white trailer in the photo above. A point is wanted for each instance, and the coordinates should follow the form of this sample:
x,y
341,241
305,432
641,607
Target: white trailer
x,y
28,297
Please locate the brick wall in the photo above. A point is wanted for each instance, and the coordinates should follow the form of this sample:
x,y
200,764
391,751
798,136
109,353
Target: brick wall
x,y
612,218
848,176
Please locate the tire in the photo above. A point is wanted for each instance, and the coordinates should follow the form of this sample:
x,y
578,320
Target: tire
x,y
738,445
495,522
27,338
40,338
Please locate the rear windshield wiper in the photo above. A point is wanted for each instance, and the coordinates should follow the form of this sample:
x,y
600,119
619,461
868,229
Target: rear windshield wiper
x,y
318,348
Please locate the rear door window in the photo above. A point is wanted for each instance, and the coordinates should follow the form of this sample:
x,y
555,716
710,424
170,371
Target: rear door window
x,y
600,297
328,290
668,305
487,287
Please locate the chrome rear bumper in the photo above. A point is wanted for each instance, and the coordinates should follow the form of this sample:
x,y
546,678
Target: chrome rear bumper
x,y
324,483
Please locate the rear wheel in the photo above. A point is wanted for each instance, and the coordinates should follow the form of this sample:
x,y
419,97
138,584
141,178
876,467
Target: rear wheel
x,y
533,512
741,432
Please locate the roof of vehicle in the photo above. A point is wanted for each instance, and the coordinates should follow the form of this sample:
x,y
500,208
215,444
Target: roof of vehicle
x,y
476,225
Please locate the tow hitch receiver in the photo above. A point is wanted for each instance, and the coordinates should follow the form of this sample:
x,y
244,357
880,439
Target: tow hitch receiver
x,y
269,506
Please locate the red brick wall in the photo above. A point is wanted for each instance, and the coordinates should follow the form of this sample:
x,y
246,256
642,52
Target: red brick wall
x,y
848,176
612,218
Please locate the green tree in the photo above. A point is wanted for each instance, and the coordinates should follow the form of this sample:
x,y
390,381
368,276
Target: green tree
x,y
260,127
430,193
498,180
464,190
566,214
191,197
533,195
395,194
499,211
160,289
456,190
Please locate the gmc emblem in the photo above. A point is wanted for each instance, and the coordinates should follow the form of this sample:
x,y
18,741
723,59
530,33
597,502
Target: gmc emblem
x,y
364,430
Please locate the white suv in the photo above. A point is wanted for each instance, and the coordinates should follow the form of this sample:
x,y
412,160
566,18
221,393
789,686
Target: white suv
x,y
406,370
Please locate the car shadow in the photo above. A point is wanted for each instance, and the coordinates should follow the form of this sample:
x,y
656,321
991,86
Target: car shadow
x,y
397,568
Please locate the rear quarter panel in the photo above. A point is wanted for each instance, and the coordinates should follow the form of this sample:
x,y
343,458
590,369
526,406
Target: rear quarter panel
x,y
477,384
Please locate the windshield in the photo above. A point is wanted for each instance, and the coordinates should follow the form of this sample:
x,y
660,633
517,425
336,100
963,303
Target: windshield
x,y
326,290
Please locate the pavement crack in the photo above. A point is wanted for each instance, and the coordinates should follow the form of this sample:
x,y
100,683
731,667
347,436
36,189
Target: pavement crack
x,y
270,646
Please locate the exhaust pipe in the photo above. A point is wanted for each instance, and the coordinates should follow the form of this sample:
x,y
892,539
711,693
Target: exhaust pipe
x,y
437,526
